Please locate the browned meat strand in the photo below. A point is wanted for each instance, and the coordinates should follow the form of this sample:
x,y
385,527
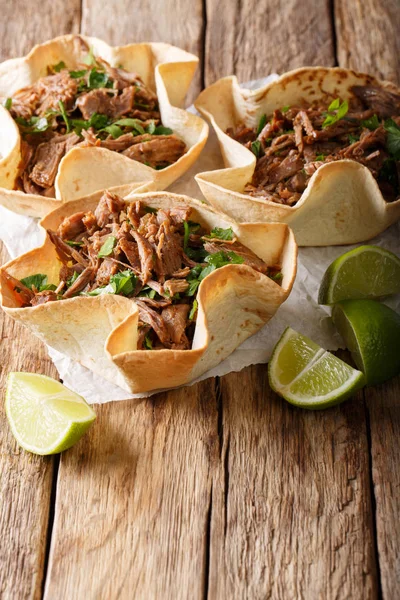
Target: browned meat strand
x,y
139,252
158,151
296,141
96,105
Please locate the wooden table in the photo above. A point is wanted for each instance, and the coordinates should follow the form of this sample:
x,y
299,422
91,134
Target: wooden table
x,y
220,490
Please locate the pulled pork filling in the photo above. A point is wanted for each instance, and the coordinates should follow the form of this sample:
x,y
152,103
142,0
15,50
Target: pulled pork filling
x,y
97,105
158,257
292,144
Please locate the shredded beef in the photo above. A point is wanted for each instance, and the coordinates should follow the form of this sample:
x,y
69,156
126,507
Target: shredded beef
x,y
145,262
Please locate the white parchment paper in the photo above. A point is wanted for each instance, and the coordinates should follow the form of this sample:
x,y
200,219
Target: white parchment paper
x,y
301,311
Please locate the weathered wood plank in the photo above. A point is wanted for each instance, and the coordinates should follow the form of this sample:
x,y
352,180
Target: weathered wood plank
x,y
133,500
174,21
384,410
368,41
291,510
253,39
292,503
26,480
368,36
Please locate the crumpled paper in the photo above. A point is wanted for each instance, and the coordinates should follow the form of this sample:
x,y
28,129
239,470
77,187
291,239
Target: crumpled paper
x,y
300,311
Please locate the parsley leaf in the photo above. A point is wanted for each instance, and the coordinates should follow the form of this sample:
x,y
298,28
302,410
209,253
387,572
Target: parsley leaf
x,y
64,115
336,111
220,259
161,130
222,234
107,247
261,124
372,123
320,157
38,281
256,148
8,103
285,108
59,66
124,282
393,138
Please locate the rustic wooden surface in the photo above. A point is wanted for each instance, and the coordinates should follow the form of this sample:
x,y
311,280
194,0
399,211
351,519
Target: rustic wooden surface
x,y
220,490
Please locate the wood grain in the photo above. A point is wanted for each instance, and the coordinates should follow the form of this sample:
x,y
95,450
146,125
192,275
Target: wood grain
x,y
177,22
26,480
384,409
25,485
368,36
253,39
368,41
133,500
292,518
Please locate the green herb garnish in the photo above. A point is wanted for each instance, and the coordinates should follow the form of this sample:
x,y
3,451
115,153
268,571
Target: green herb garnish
x,y
8,103
285,109
37,282
148,292
134,123
336,111
320,157
193,310
72,243
98,79
64,115
256,148
147,343
73,278
150,209
77,74
107,247
261,124
372,123
59,66
352,138
222,234
393,138
114,131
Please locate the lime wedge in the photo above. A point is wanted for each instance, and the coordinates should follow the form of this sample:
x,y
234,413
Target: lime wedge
x,y
45,416
371,331
365,272
308,376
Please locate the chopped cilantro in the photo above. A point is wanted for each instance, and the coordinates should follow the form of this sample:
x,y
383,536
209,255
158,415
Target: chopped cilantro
x,y
113,130
372,123
64,115
59,66
220,259
285,109
222,234
73,278
320,157
336,111
393,138
90,58
98,121
352,138
72,243
78,74
161,130
261,124
147,343
134,123
8,103
37,282
98,79
124,282
148,292
193,310
150,209
186,235
107,247
277,276
151,127
256,148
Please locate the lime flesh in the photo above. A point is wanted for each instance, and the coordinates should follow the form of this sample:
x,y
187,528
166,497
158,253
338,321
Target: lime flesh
x,y
308,376
45,416
365,272
371,331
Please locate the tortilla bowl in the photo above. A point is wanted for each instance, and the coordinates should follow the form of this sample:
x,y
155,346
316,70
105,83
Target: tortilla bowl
x,y
164,68
101,332
342,203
